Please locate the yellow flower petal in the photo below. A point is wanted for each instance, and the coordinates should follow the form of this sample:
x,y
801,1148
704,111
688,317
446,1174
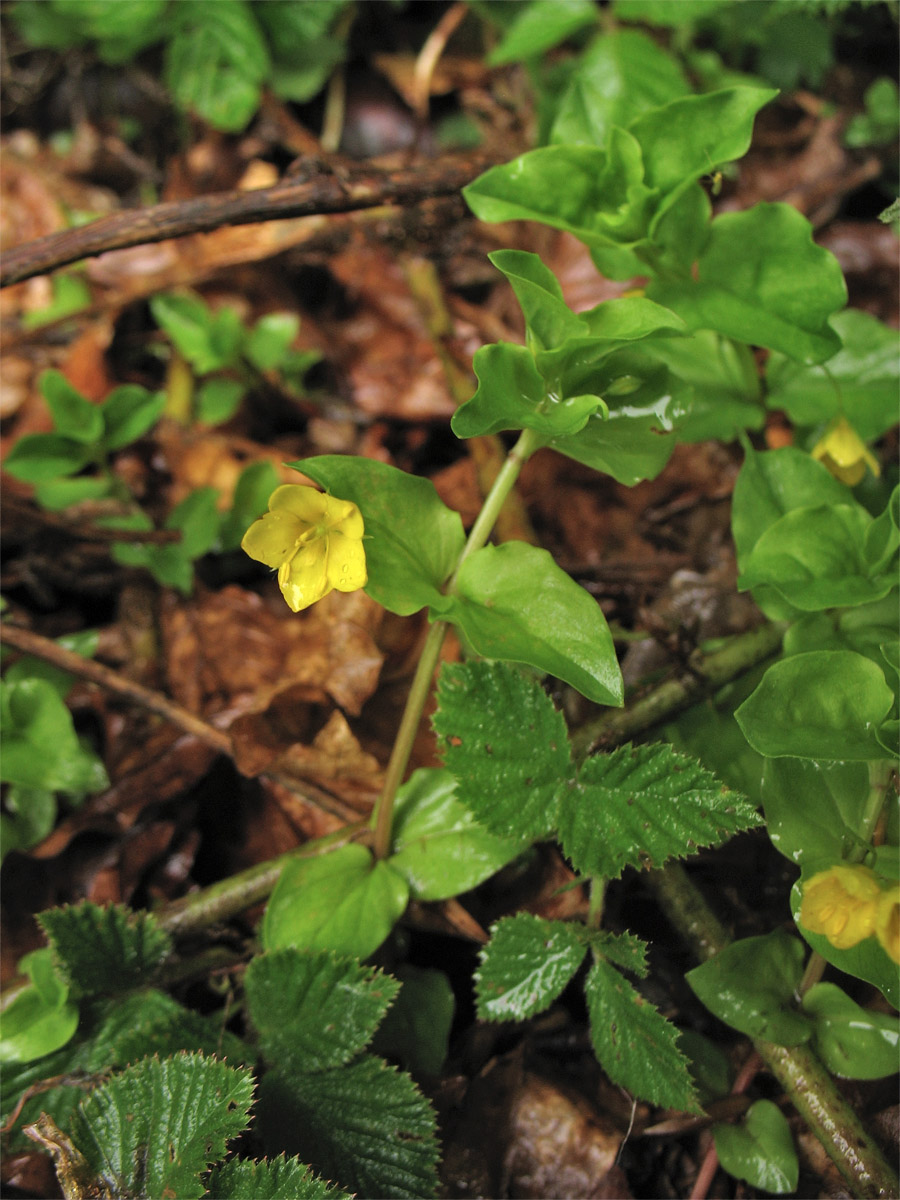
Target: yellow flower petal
x,y
272,538
841,903
303,579
343,515
346,562
843,452
302,501
887,922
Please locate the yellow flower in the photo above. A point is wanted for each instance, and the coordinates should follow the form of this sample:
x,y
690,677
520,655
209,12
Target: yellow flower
x,y
842,451
314,541
887,921
842,903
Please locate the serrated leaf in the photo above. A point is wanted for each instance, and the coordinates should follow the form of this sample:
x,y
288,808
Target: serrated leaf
x,y
853,1042
153,1129
635,1045
513,603
825,704
525,966
365,1125
750,985
505,744
760,1150
342,901
314,1011
622,950
413,540
104,949
438,846
762,280
642,805
271,1179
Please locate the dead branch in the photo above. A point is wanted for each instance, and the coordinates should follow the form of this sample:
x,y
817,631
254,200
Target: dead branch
x,y
348,189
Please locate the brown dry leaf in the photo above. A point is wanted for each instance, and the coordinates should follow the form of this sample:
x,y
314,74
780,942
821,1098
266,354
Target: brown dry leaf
x,y
383,347
200,457
453,71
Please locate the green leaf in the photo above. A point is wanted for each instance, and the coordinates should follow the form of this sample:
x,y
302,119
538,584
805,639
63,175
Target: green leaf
x,y
271,1179
618,76
548,319
512,602
270,339
40,746
104,949
815,558
634,1043
57,494
28,667
762,280
642,805
506,745
512,395
71,294
40,456
760,1150
342,901
413,540
187,319
868,960
540,25
826,704
198,519
866,628
216,62
304,51
314,1011
853,1042
416,1030
73,416
438,846
664,12
121,31
750,985
157,1126
218,399
813,809
34,1026
365,1125
883,538
860,380
255,485
525,966
29,815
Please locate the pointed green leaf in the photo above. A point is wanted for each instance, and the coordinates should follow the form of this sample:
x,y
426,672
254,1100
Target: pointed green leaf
x,y
762,280
853,1042
862,379
548,319
506,745
642,805
750,985
366,1126
155,1128
342,901
37,457
314,1011
525,966
413,540
439,847
634,1043
539,26
104,949
271,338
187,320
826,704
760,1150
271,1179
513,603
129,412
73,415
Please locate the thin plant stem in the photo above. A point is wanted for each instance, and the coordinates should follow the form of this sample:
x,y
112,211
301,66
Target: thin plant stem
x,y
419,690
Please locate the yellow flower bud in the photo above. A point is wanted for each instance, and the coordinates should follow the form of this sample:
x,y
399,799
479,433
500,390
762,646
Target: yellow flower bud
x,y
842,451
314,541
841,903
887,921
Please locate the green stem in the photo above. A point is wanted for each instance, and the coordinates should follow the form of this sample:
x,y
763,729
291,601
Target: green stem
x,y
804,1079
421,685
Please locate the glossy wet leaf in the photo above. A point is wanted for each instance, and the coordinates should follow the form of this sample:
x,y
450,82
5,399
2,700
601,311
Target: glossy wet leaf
x,y
513,603
505,744
853,1042
642,805
313,1011
825,704
33,1026
814,808
342,901
750,985
525,966
760,1149
634,1043
439,847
